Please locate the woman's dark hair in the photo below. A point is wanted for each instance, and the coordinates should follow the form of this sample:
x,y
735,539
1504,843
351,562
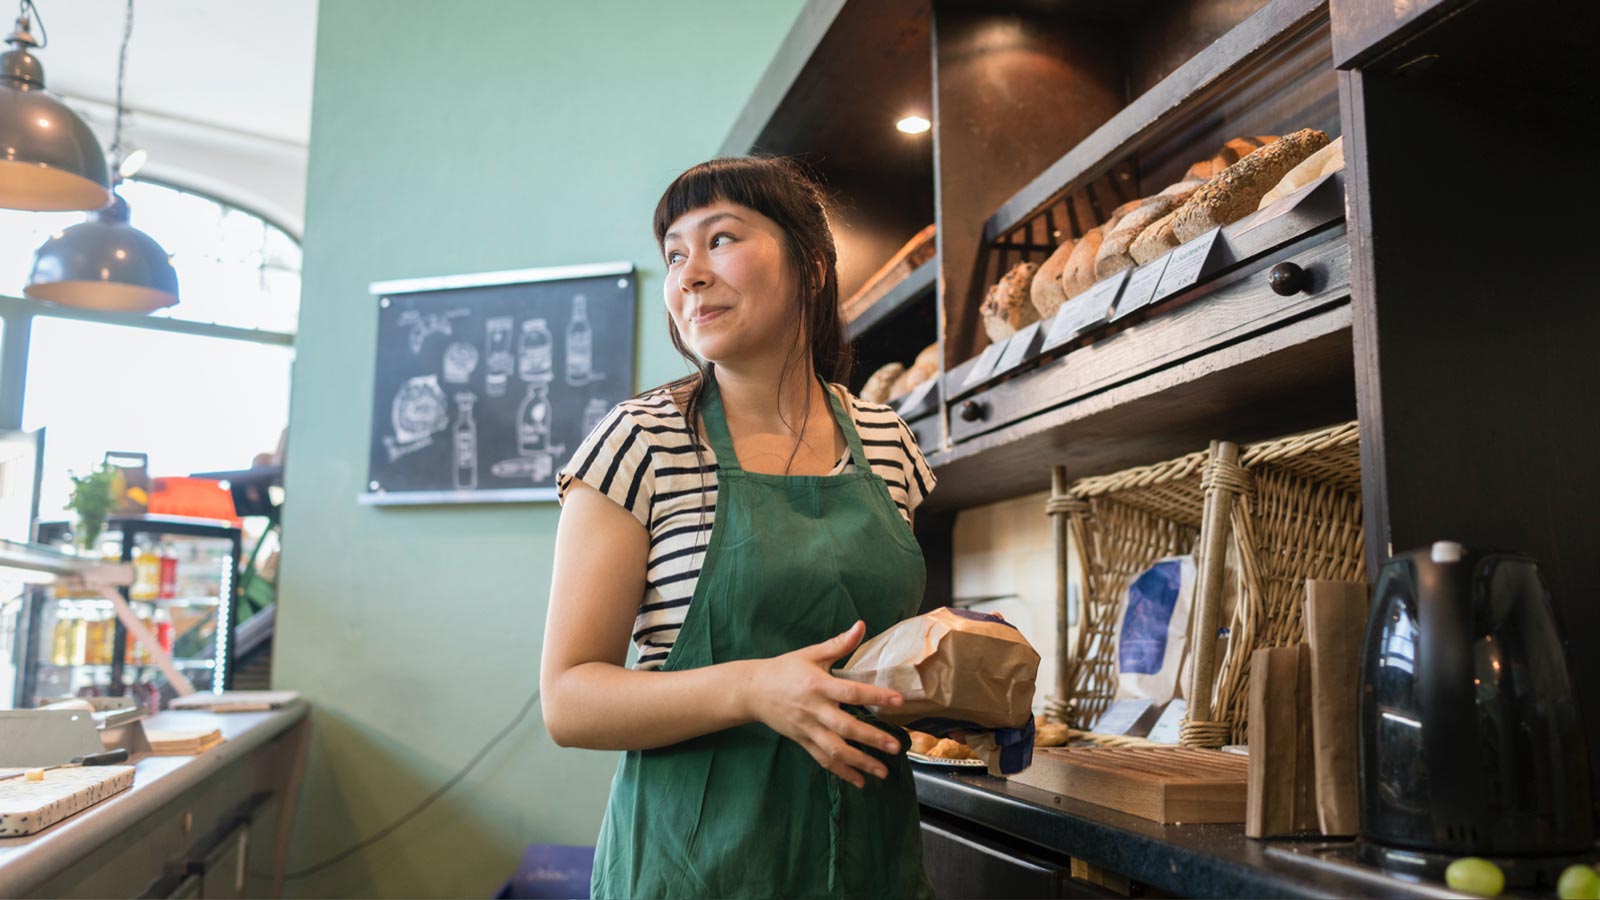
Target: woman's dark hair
x,y
781,190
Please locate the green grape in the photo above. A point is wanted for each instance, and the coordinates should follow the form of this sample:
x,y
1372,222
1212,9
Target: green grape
x,y
1472,875
1578,883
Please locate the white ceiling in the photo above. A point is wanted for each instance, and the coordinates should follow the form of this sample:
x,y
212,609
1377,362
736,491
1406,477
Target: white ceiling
x,y
243,66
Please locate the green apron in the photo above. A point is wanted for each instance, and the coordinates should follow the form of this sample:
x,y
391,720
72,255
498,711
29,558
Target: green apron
x,y
792,561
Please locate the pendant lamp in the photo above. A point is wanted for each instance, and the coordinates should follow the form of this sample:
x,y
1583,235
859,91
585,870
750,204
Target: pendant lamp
x,y
105,263
49,159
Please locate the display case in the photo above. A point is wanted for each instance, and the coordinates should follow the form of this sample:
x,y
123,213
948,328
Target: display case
x,y
184,588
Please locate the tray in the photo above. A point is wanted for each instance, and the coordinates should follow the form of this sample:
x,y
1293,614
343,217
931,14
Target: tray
x,y
948,763
29,806
1170,785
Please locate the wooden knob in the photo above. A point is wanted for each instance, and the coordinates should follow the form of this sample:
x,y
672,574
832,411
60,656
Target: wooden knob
x,y
972,411
1286,279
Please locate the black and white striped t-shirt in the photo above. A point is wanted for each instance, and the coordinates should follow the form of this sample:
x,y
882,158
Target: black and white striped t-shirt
x,y
641,456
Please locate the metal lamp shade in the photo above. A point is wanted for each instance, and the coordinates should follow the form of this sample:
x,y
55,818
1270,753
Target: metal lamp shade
x,y
104,264
49,159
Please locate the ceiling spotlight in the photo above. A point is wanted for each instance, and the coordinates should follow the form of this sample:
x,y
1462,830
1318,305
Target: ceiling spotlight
x,y
913,125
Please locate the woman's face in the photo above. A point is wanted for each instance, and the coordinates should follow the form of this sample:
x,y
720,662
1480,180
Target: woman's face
x,y
730,288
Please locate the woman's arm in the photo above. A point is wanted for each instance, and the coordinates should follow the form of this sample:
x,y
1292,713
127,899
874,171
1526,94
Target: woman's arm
x,y
592,700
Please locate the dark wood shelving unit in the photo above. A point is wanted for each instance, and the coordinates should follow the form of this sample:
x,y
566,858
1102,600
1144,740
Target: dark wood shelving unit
x,y
918,287
1458,330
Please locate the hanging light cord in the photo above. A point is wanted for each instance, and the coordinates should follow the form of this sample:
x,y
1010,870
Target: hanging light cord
x,y
122,67
44,36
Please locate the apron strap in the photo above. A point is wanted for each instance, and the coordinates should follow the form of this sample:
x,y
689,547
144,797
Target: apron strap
x,y
721,441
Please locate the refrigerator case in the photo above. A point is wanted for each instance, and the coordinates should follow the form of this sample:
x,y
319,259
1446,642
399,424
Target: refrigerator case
x,y
186,589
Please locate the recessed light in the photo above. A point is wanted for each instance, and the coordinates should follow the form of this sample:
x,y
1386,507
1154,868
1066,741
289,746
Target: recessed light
x,y
913,125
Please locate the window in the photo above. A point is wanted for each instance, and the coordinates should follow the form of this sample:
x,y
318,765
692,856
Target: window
x,y
193,397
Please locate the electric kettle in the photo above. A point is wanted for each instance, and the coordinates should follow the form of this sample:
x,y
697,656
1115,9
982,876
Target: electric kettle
x,y
1471,742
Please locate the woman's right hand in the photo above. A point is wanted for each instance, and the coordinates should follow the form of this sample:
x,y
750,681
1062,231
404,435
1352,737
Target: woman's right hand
x,y
795,695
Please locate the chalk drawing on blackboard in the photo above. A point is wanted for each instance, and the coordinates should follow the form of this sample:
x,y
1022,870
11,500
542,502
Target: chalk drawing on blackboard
x,y
580,345
425,325
466,443
594,412
533,421
396,450
419,410
536,468
535,352
497,354
460,360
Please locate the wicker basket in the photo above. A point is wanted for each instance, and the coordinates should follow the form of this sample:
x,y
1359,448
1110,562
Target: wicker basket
x,y
1285,511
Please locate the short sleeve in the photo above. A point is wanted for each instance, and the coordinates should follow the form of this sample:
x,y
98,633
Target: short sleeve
x,y
615,459
919,480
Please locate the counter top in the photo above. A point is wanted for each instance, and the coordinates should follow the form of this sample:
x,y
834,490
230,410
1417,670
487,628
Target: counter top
x,y
157,780
1187,860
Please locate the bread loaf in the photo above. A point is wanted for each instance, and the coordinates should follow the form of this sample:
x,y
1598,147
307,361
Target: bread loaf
x,y
1231,152
1046,290
1115,247
1309,170
1078,275
924,367
949,749
876,390
1235,193
921,741
1007,307
1154,240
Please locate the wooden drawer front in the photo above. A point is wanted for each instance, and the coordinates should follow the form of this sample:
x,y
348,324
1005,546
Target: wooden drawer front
x,y
1232,307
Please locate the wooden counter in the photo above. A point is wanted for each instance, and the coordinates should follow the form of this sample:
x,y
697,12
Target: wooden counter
x,y
213,825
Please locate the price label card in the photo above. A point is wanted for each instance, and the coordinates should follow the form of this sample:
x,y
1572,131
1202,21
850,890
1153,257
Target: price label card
x,y
913,401
1023,346
1088,309
1120,716
1187,265
985,364
1166,727
1141,288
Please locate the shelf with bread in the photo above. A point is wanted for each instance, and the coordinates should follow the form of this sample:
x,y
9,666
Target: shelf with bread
x,y
1181,268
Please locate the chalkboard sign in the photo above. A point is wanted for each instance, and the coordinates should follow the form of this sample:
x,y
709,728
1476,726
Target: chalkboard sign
x,y
485,384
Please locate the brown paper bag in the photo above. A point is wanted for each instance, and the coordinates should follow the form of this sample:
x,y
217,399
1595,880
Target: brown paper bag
x,y
951,664
1336,618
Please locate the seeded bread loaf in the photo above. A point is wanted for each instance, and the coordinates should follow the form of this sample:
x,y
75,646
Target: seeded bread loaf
x,y
1231,152
1007,307
1046,289
876,390
1154,240
1115,246
1318,164
1235,193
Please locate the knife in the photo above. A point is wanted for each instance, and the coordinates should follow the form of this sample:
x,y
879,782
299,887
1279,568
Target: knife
x,y
108,758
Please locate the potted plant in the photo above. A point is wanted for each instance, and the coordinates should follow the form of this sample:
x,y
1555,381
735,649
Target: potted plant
x,y
93,495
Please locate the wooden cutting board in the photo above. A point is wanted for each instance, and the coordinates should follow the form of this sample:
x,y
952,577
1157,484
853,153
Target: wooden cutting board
x,y
29,806
1164,784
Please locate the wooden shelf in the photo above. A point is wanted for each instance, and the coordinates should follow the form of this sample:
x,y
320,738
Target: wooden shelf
x,y
918,286
1287,35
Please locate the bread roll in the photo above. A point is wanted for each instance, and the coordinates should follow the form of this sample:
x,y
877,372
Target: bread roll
x,y
923,368
1007,306
927,358
1115,255
1231,152
921,741
1078,275
1154,240
1309,170
948,749
1046,289
876,390
1051,734
1235,193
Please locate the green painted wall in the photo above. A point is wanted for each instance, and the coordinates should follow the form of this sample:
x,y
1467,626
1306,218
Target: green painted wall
x,y
450,138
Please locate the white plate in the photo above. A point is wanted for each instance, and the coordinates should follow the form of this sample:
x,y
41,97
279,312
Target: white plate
x,y
936,761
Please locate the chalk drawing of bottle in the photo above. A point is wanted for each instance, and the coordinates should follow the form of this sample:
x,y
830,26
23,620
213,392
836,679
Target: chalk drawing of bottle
x,y
535,352
466,443
533,420
497,356
580,344
594,413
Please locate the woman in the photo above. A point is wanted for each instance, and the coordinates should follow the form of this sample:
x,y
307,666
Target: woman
x,y
748,526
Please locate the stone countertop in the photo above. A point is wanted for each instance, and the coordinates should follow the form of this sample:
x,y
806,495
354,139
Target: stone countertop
x,y
157,780
1185,860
